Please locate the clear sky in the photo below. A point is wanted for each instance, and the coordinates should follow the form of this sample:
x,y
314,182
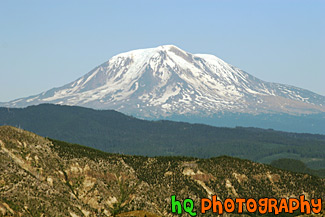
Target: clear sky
x,y
46,44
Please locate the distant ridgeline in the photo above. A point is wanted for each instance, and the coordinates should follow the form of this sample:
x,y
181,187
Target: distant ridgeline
x,y
304,123
115,132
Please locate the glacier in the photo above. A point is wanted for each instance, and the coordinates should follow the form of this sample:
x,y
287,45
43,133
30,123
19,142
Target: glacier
x,y
166,80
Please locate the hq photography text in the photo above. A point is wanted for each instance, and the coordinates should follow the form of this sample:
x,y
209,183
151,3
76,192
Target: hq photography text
x,y
250,205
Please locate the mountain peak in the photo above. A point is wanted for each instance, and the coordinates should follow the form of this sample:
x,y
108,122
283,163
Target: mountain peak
x,y
166,80
168,47
147,53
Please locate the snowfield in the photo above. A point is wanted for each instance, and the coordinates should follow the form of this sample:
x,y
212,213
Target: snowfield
x,y
162,81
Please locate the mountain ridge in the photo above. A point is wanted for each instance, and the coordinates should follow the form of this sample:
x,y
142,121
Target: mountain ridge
x,y
164,81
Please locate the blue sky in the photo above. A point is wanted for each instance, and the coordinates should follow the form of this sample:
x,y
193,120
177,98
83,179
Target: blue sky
x,y
45,44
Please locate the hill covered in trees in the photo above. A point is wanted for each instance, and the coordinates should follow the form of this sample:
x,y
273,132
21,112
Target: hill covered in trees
x,y
296,166
115,132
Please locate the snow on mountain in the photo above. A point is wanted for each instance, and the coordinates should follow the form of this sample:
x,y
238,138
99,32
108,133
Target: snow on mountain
x,y
162,81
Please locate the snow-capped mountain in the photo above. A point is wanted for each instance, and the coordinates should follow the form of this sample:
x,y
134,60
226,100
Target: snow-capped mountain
x,y
164,81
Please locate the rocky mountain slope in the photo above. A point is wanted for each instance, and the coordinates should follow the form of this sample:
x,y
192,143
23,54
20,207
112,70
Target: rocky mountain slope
x,y
164,81
42,177
115,132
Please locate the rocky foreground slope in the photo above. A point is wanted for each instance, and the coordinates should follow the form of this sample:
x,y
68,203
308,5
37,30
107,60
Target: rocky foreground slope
x,y
42,177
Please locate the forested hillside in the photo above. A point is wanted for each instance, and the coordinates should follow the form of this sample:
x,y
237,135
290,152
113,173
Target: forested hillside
x,y
115,132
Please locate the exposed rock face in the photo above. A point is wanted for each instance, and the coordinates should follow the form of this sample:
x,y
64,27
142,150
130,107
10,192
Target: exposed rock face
x,y
39,176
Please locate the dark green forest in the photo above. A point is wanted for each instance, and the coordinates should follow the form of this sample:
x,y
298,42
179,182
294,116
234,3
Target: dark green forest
x,y
298,166
115,132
